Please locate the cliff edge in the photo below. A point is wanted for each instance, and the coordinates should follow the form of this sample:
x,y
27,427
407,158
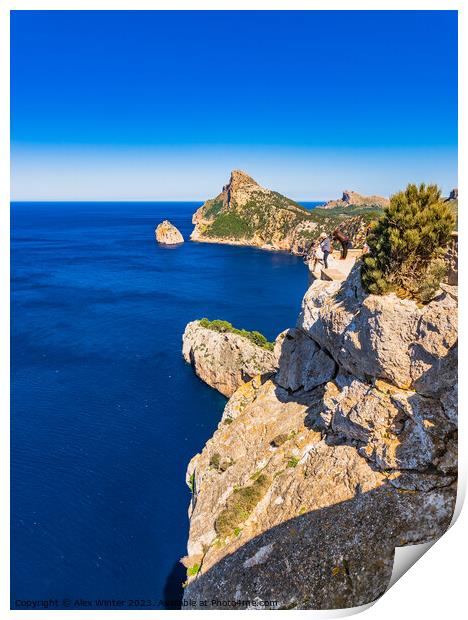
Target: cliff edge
x,y
346,452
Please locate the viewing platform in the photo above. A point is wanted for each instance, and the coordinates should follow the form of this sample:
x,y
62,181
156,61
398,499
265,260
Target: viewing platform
x,y
337,269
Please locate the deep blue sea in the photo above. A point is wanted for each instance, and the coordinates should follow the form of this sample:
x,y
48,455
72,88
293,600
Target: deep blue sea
x,y
105,413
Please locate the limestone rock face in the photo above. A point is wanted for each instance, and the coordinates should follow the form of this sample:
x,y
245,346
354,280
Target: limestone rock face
x,y
223,360
383,336
168,234
318,471
353,199
292,503
392,428
302,363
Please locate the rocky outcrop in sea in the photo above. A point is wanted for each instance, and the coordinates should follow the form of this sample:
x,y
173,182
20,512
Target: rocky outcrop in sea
x,y
168,234
318,471
225,361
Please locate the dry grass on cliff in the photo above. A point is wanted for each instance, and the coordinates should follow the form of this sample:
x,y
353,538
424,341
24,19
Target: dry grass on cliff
x,y
240,505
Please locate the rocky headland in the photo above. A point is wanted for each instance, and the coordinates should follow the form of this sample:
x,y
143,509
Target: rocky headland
x,y
353,199
225,360
168,234
245,213
318,470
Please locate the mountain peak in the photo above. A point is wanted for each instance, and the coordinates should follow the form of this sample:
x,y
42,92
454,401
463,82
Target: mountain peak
x,y
239,177
246,213
349,196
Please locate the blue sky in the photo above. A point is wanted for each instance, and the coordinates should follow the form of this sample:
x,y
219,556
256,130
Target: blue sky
x,y
143,105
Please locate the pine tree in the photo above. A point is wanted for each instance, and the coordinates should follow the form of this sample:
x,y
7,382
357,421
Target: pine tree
x,y
406,245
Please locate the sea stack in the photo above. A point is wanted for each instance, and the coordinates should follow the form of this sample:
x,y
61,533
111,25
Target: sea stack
x,y
168,234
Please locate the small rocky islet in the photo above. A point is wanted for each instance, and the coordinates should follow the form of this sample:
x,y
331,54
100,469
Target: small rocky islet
x,y
338,442
167,234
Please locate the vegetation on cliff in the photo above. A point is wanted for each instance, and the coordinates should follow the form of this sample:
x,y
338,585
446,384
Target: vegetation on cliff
x,y
255,221
407,244
230,225
240,505
224,326
258,212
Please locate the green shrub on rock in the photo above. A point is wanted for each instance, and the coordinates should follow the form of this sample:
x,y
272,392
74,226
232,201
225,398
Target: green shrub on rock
x,y
191,482
229,225
293,461
193,570
225,327
407,244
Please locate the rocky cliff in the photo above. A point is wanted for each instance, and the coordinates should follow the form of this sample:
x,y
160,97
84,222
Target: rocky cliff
x,y
224,360
348,451
245,213
353,199
168,234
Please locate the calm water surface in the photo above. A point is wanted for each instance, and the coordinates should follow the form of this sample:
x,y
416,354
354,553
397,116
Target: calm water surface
x,y
105,413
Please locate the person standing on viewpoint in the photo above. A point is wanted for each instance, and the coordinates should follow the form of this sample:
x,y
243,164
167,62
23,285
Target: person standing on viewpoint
x,y
325,246
344,242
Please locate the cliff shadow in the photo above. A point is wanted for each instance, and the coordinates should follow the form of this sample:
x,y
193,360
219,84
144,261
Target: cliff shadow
x,y
318,416
334,557
173,590
331,557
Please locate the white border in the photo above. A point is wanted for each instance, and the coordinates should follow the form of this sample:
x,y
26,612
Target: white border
x,y
437,582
